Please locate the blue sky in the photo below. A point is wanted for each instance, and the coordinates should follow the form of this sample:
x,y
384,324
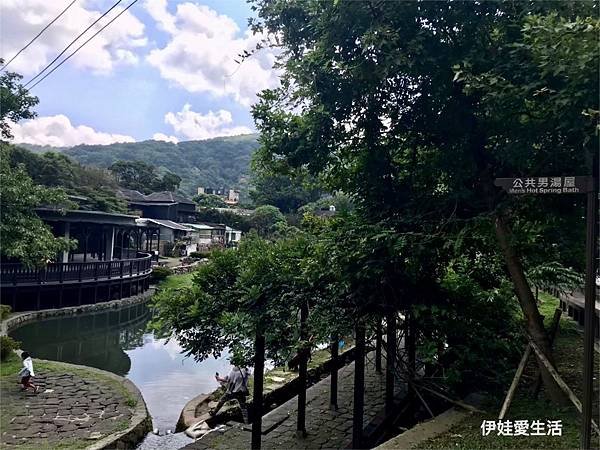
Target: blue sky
x,y
164,69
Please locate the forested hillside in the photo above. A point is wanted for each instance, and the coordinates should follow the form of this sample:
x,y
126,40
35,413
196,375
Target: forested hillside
x,y
219,162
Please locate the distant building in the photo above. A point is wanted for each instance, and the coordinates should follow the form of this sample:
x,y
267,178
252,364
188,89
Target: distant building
x,y
160,205
229,196
208,235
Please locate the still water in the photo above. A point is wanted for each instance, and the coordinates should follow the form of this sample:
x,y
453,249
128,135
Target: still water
x,y
118,341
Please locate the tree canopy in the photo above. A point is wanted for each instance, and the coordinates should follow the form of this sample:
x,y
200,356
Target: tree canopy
x,y
16,101
143,177
23,235
94,188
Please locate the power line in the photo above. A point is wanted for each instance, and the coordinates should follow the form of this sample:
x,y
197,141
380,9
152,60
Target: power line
x,y
79,48
38,35
73,42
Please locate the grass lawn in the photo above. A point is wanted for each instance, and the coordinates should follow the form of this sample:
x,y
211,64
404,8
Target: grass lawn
x,y
177,281
568,354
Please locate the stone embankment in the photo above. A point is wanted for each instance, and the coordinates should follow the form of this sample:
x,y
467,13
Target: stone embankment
x,y
277,391
21,318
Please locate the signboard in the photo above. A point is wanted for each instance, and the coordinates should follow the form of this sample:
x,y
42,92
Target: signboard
x,y
546,185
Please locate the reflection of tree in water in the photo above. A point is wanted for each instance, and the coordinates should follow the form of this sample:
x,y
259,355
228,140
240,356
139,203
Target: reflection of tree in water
x,y
98,340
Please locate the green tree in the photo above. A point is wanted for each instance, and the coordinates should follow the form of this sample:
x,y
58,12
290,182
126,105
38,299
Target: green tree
x,y
264,219
170,182
286,192
136,175
413,108
237,221
23,235
94,188
209,201
15,100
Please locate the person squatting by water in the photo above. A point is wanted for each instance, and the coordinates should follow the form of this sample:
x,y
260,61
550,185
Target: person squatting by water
x,y
237,389
26,373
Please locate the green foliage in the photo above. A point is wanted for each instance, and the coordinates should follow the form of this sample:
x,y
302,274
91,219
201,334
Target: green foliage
x,y
286,192
256,288
160,273
553,275
143,177
199,255
343,204
229,218
264,219
5,311
209,201
15,100
7,345
94,188
23,235
219,162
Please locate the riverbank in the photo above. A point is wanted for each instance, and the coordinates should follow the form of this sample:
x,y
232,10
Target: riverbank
x,y
280,384
76,407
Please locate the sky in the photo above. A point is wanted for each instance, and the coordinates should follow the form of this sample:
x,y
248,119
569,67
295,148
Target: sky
x,y
165,70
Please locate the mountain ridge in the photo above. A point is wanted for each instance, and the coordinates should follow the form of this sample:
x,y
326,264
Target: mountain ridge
x,y
216,162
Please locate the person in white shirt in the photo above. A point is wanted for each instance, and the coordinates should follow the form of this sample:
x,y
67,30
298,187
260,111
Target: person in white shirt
x,y
237,389
26,373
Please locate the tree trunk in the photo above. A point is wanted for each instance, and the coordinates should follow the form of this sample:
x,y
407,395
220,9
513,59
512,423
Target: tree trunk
x,y
535,325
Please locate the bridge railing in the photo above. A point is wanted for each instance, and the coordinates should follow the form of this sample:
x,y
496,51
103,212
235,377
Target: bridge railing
x,y
55,273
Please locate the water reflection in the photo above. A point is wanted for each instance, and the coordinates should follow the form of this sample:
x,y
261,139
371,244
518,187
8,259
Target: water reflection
x,y
118,341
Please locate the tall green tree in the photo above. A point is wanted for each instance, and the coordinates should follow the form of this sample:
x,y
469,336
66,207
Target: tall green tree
x,y
24,237
286,192
375,100
265,218
16,102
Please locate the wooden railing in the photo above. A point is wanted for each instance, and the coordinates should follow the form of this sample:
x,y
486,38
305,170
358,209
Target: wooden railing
x,y
72,272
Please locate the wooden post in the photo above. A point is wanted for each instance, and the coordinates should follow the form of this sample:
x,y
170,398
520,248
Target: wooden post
x,y
303,366
333,397
590,306
390,361
378,346
359,387
257,398
515,382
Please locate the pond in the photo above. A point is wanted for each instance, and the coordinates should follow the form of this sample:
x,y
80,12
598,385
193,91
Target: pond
x,y
117,340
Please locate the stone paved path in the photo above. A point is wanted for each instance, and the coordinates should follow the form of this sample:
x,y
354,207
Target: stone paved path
x,y
326,429
77,408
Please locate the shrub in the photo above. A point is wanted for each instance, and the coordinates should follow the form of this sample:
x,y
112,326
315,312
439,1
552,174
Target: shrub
x,y
7,345
199,255
160,273
5,311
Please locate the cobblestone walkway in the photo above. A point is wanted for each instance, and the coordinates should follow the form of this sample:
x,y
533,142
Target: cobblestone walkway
x,y
67,407
326,429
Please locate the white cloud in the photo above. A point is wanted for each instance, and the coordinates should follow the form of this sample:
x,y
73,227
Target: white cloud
x,y
194,125
57,131
164,137
202,52
23,19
